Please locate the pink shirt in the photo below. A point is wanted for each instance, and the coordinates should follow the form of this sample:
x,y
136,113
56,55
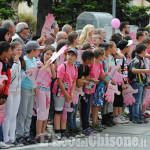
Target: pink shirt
x,y
67,75
47,78
95,71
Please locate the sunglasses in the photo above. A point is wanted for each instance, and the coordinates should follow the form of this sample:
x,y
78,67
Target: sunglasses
x,y
26,28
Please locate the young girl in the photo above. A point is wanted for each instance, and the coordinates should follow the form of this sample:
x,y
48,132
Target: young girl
x,y
16,63
73,39
63,91
43,97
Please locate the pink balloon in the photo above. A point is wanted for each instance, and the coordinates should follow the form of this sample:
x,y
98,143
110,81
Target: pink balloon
x,y
115,23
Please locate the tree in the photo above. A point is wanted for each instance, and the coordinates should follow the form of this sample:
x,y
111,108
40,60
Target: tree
x,y
67,11
44,7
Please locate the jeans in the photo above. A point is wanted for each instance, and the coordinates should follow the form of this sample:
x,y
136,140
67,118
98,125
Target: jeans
x,y
85,110
1,133
71,116
139,97
25,113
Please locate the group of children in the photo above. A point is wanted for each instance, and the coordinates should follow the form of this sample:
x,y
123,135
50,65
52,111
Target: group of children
x,y
77,86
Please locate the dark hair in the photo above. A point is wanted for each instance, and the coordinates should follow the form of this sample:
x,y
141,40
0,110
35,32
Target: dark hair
x,y
138,34
49,47
141,29
86,45
123,25
140,47
4,46
60,44
133,54
127,38
146,40
99,52
116,37
72,36
11,60
104,45
3,31
87,55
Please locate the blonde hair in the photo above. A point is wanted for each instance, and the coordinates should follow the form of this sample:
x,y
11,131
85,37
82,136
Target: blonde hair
x,y
85,34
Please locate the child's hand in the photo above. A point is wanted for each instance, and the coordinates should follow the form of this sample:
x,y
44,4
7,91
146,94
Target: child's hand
x,y
2,101
48,63
124,86
68,97
36,92
1,86
30,72
106,83
86,82
16,58
109,68
96,81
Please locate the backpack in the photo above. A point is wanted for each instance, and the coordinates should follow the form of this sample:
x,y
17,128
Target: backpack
x,y
56,79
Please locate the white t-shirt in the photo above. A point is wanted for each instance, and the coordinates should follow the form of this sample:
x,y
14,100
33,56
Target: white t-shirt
x,y
125,70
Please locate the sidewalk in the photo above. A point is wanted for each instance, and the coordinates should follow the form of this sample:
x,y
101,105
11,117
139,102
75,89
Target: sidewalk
x,y
112,138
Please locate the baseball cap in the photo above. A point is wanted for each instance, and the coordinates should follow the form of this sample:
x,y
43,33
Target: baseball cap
x,y
73,50
32,45
123,44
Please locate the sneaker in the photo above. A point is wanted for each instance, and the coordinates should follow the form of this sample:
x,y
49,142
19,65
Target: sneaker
x,y
146,115
78,133
57,136
101,126
96,127
65,135
72,133
124,119
118,120
3,145
137,120
10,144
30,140
21,140
86,132
17,144
143,120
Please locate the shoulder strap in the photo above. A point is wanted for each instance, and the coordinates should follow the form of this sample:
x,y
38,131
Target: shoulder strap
x,y
122,66
65,66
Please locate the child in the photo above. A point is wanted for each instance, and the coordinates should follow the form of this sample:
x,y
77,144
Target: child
x,y
43,97
95,72
63,91
16,63
99,92
73,39
139,82
146,41
124,47
26,103
97,39
83,79
5,52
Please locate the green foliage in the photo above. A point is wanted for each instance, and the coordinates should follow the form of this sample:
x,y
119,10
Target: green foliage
x,y
67,11
29,19
148,28
5,10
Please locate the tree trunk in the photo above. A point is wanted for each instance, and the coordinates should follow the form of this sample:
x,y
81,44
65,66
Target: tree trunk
x,y
44,7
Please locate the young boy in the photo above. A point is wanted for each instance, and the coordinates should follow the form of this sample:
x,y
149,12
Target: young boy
x,y
139,82
5,52
124,47
26,103
83,79
63,91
